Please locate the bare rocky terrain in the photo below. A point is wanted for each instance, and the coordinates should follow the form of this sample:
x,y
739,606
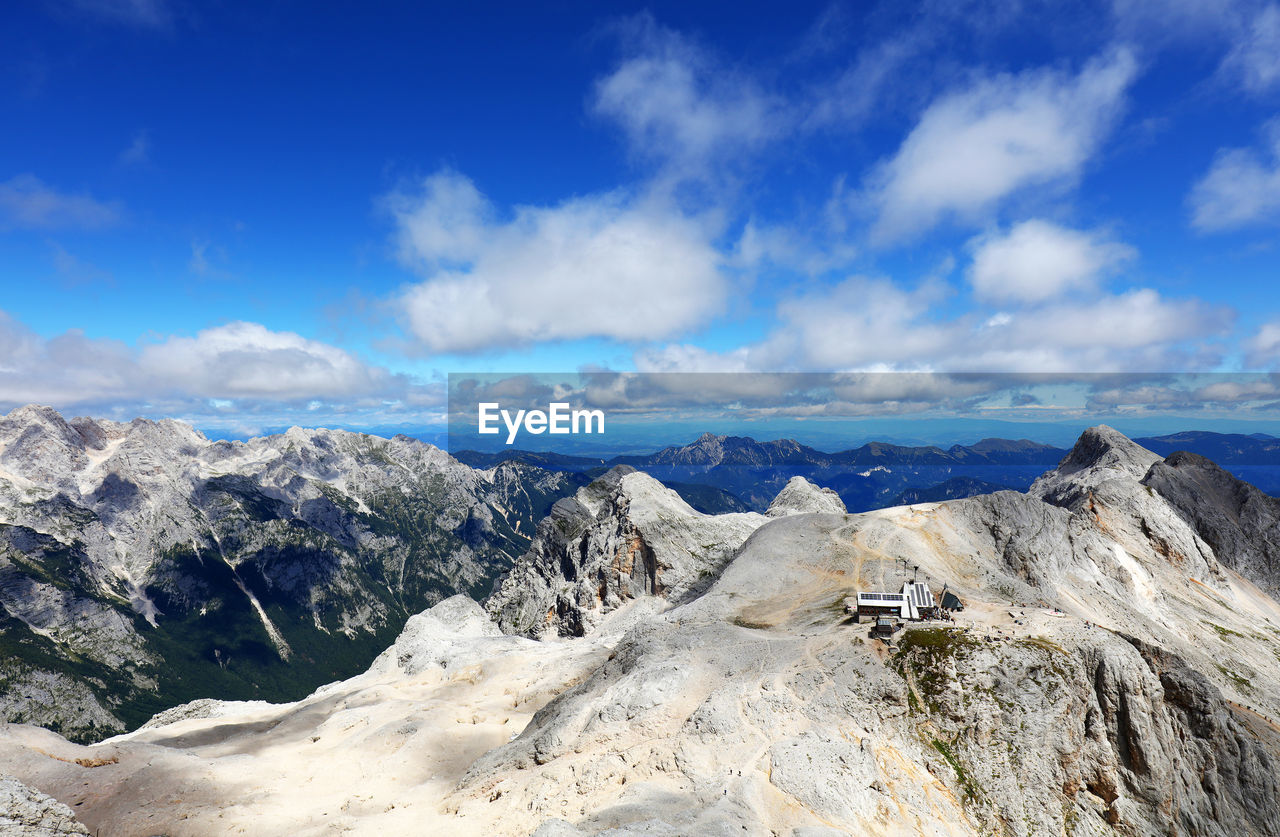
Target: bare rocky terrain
x,y
1116,671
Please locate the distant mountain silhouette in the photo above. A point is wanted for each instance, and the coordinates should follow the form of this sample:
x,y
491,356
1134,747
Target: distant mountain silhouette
x,y
749,473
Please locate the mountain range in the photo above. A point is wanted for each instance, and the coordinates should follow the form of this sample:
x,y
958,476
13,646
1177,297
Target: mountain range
x,y
737,473
143,565
645,668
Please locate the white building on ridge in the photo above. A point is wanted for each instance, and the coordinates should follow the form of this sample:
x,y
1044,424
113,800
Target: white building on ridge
x,y
914,603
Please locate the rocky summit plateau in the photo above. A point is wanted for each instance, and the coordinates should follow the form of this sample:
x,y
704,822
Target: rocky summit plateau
x,y
613,661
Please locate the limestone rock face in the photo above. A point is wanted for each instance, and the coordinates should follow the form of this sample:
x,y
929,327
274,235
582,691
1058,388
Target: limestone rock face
x,y
28,813
1239,522
800,496
433,638
1074,518
622,537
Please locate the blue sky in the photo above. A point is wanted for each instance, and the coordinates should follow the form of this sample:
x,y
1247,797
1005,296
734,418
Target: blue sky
x,y
253,215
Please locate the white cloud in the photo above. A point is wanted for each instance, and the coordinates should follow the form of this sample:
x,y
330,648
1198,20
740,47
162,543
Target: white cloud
x,y
973,148
676,105
857,324
1037,261
1247,32
598,266
859,89
1132,320
1263,348
442,225
860,323
1241,188
68,368
248,360
243,362
873,325
786,247
26,202
1254,58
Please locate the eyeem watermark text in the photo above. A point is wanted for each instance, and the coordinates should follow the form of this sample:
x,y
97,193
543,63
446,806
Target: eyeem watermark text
x,y
557,420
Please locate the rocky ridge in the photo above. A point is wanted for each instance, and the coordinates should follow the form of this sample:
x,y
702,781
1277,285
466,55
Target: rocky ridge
x,y
622,537
1239,522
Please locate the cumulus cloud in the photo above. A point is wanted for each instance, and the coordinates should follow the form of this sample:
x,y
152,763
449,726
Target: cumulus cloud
x,y
675,104
873,325
1241,188
975,147
860,323
442,224
248,360
1133,321
26,202
857,324
1037,260
67,368
1263,348
1241,393
242,362
597,266
762,245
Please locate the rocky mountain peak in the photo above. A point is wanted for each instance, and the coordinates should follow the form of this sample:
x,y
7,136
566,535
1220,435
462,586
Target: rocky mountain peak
x,y
29,413
37,420
604,488
1104,447
707,449
1100,454
800,496
623,537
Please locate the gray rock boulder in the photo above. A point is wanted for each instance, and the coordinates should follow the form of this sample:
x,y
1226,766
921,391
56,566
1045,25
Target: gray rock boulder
x,y
437,637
